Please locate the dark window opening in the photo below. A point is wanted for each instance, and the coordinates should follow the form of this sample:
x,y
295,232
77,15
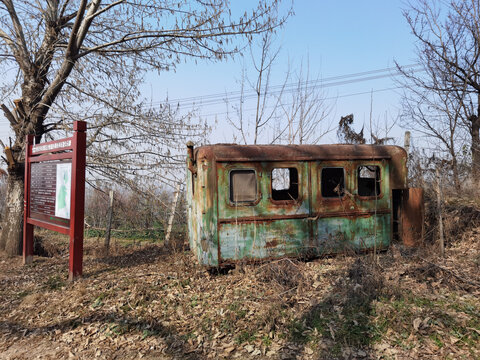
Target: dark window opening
x,y
368,180
285,184
243,186
333,182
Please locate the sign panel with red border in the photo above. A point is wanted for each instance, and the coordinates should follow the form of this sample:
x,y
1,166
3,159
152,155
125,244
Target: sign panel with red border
x,y
55,192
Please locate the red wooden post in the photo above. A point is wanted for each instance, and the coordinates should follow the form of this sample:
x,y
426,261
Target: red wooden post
x,y
77,206
27,228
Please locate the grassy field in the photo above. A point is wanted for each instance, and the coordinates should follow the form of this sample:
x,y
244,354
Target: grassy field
x,y
146,301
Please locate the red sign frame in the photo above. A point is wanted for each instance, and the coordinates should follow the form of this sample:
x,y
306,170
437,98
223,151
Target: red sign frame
x,y
73,149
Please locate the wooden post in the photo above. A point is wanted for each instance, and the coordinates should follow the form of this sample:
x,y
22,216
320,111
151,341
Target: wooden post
x,y
109,221
27,228
172,215
77,208
439,210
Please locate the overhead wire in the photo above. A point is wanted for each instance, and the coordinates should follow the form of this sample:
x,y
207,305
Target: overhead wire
x,y
339,80
327,98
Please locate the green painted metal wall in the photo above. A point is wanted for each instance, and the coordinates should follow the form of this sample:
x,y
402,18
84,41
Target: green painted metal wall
x,y
202,213
222,232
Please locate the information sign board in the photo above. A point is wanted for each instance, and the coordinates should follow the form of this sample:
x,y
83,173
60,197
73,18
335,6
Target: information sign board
x,y
50,190
55,192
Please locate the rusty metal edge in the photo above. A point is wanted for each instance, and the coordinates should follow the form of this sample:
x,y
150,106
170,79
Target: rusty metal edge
x,y
355,214
226,153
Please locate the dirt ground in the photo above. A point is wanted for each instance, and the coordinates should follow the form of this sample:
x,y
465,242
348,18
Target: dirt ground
x,y
152,303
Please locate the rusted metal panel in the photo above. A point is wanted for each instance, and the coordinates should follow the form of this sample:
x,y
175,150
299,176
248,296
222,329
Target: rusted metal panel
x,y
264,207
351,221
202,212
351,201
352,233
265,228
412,217
383,200
239,153
263,239
396,155
398,169
296,221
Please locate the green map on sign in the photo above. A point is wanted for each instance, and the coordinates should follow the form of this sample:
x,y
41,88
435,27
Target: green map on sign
x,y
63,189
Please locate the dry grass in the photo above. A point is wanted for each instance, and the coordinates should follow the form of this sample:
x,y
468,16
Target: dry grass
x,y
153,303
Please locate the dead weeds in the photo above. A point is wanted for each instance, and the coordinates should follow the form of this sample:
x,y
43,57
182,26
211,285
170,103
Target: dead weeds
x,y
151,302
285,273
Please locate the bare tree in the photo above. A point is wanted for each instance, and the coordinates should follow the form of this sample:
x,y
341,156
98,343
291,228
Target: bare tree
x,y
292,112
304,109
263,115
443,101
3,190
266,98
380,129
79,59
438,116
237,122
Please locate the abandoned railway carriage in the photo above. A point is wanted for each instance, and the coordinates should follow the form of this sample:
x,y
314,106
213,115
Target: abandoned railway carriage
x,y
268,201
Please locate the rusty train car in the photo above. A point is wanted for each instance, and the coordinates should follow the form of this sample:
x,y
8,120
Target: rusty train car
x,y
251,202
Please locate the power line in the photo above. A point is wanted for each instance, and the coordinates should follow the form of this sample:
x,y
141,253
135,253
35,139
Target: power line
x,y
339,80
279,92
306,83
328,98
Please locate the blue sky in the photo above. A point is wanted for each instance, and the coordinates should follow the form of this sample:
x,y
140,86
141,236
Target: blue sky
x,y
338,38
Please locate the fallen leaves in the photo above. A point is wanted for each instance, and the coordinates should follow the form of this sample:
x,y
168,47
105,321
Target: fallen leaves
x,y
150,303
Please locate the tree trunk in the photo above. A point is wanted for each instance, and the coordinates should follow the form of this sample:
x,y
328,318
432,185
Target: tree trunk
x,y
439,212
456,179
475,150
11,239
172,214
475,134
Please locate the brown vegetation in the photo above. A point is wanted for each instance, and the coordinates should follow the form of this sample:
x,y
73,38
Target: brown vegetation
x,y
147,301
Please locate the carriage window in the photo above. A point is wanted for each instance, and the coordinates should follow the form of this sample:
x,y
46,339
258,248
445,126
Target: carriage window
x,y
243,186
284,184
368,180
333,182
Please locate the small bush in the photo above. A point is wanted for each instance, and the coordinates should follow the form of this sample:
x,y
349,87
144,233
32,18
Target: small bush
x,y
284,272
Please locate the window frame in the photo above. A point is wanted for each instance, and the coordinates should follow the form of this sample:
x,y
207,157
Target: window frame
x,y
333,198
299,192
257,190
371,197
